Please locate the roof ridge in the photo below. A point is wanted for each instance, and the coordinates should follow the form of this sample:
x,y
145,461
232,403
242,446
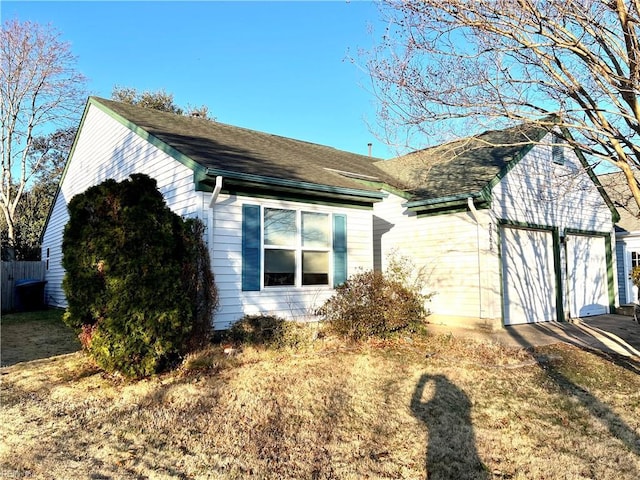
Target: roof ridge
x,y
235,127
477,136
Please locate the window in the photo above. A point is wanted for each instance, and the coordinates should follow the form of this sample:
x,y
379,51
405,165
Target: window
x,y
291,239
285,247
635,259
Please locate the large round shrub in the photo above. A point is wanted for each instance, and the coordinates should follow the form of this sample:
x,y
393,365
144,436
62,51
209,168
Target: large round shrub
x,y
133,277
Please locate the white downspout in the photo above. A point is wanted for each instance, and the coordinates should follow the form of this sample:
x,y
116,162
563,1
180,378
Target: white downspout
x,y
214,196
472,207
216,190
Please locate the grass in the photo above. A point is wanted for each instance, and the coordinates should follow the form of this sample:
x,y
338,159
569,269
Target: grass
x,y
33,335
401,408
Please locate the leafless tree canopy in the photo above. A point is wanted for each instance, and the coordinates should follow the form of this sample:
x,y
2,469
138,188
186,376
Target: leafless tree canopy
x,y
40,90
467,64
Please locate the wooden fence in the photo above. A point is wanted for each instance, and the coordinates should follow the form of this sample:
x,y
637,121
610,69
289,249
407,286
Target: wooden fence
x,y
12,272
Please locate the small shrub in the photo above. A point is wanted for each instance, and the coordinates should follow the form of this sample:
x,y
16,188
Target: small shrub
x,y
268,331
370,304
635,276
379,304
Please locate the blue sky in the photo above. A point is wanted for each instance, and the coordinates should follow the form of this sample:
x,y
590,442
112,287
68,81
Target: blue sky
x,y
278,67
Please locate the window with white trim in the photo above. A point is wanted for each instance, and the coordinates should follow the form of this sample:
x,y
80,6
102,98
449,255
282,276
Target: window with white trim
x,y
290,247
297,246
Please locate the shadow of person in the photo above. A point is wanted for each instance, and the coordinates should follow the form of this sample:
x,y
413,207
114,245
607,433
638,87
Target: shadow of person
x,y
446,411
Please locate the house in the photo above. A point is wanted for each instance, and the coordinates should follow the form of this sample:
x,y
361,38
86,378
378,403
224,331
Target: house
x,y
627,234
509,226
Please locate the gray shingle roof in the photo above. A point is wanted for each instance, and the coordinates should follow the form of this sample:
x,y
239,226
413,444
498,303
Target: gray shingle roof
x,y
219,146
463,166
615,184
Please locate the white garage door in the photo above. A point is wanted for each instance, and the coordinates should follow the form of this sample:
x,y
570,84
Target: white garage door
x,y
528,276
587,275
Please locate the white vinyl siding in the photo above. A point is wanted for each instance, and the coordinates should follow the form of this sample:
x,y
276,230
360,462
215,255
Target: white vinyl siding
x,y
540,192
108,150
445,249
294,302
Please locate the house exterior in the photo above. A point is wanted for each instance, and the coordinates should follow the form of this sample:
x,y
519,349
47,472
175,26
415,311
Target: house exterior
x,y
627,234
285,223
510,227
507,227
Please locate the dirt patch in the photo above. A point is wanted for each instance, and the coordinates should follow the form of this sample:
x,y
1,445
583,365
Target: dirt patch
x,y
35,335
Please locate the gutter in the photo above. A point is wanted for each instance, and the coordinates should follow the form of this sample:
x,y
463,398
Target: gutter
x,y
292,184
461,198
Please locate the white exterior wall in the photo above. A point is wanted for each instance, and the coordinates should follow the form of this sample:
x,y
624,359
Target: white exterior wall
x,y
456,254
108,150
459,252
625,244
540,192
287,302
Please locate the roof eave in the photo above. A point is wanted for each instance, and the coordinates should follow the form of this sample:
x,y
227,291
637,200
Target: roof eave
x,y
251,182
423,204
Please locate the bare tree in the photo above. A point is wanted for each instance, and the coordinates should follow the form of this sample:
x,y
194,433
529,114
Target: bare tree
x,y
566,63
40,90
158,100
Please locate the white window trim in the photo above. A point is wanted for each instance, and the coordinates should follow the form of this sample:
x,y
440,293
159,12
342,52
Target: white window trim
x,y
298,248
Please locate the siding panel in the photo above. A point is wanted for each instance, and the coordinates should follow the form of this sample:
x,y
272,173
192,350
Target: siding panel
x,y
444,248
287,302
106,149
538,191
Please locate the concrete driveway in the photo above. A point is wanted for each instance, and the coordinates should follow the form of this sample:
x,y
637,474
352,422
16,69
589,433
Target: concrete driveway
x,y
617,334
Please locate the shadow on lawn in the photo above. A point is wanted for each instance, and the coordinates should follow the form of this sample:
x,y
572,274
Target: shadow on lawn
x,y
594,336
446,411
599,410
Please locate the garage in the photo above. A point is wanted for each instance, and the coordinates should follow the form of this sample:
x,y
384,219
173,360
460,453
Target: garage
x,y
528,274
587,280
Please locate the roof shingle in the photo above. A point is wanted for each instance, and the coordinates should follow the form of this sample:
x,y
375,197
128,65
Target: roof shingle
x,y
216,145
462,166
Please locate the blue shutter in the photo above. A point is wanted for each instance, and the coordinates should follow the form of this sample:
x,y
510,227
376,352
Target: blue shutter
x,y
250,248
339,249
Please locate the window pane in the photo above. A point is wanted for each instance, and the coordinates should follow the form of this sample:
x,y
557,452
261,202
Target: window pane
x,y
279,267
279,227
315,268
315,230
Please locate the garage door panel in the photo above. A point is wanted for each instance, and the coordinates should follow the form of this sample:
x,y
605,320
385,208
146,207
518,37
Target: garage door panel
x,y
528,271
587,275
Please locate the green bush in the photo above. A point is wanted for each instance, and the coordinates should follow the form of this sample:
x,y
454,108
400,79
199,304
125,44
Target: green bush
x,y
199,285
375,304
135,282
267,331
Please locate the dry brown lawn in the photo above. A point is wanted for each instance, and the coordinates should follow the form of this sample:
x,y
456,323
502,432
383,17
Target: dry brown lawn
x,y
406,408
